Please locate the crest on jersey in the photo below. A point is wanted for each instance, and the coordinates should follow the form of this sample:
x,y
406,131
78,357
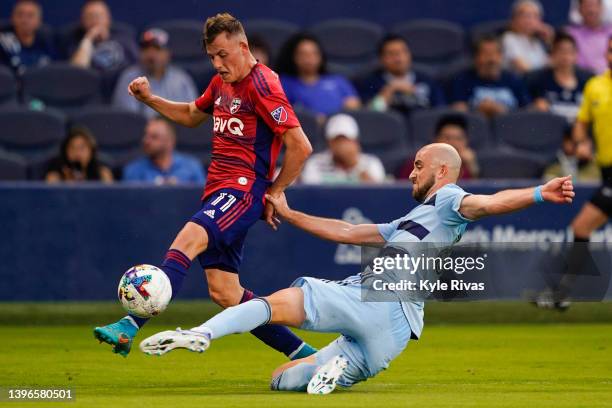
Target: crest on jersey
x,y
280,115
235,105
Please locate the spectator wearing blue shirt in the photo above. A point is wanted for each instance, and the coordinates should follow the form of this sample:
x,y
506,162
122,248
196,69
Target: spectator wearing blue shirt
x,y
558,89
302,65
486,87
395,85
23,45
161,164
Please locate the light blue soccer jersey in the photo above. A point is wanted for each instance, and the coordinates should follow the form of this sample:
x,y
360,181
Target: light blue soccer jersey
x,y
438,221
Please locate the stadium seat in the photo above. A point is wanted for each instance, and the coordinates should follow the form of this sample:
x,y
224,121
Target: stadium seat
x,y
433,42
12,167
8,87
274,32
539,133
185,39
196,141
349,41
423,124
62,86
500,165
493,27
118,132
383,134
30,133
201,72
311,128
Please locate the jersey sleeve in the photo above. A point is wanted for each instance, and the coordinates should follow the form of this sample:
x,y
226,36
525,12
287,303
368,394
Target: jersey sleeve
x,y
386,230
271,103
206,100
448,202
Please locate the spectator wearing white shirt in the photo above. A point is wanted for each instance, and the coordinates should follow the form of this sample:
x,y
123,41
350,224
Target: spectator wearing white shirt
x,y
343,162
524,45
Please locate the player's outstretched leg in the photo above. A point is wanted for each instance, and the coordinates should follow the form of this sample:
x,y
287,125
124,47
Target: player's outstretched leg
x,y
287,304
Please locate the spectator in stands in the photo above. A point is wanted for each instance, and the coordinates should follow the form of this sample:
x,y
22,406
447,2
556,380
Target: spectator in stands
x,y
523,45
395,85
165,79
23,45
591,36
260,49
451,129
97,44
343,162
78,160
558,89
303,69
575,17
162,164
486,87
568,162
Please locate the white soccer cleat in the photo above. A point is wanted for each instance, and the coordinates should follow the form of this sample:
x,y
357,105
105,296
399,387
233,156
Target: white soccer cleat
x,y
168,340
326,377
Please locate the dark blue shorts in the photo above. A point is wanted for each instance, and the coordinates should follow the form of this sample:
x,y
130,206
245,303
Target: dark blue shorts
x,y
227,215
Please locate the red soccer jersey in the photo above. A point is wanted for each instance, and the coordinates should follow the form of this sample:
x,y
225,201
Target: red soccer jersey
x,y
249,118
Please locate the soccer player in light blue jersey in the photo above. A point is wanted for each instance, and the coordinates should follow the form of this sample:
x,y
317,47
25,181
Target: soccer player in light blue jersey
x,y
372,333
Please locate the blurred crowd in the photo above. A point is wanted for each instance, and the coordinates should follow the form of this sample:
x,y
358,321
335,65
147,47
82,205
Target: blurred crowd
x,y
522,65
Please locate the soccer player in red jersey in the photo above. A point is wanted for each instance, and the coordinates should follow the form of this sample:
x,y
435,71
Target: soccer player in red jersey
x,y
252,119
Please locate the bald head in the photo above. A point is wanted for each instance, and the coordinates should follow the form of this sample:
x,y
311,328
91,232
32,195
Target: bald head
x,y
435,165
443,154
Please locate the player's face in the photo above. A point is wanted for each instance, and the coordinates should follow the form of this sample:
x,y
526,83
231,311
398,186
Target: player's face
x,y
26,18
396,57
422,177
564,54
229,56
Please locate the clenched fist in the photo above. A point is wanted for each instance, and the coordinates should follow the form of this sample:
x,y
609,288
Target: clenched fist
x,y
140,89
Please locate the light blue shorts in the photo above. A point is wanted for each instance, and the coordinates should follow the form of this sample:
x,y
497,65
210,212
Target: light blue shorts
x,y
373,333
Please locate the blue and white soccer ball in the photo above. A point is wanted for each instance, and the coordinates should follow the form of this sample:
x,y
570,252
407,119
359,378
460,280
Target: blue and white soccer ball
x,y
144,290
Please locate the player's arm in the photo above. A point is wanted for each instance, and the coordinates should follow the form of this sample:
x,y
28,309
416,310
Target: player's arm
x,y
183,113
326,228
559,190
297,150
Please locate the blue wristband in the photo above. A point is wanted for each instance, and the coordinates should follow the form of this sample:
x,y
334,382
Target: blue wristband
x,y
537,195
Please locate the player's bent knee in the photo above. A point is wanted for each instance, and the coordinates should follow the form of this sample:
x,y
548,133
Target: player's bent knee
x,y
287,307
222,298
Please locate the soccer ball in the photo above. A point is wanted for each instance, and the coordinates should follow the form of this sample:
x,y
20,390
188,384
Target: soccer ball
x,y
144,290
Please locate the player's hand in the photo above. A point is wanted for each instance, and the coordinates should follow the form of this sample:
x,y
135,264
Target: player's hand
x,y
140,89
280,206
270,216
559,190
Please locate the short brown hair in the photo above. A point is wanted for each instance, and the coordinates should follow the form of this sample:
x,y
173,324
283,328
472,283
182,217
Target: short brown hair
x,y
221,23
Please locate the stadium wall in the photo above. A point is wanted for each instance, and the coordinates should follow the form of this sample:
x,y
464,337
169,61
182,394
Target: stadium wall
x,y
141,13
64,243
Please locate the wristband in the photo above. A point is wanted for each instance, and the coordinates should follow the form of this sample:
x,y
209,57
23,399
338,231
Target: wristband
x,y
537,195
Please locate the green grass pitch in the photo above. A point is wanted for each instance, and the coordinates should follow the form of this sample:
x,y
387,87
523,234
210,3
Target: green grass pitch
x,y
470,355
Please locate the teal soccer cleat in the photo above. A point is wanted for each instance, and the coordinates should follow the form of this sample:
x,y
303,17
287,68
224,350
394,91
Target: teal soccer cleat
x,y
120,335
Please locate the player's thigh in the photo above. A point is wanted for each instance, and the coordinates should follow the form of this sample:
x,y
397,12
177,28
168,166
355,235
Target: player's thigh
x,y
588,220
191,240
287,307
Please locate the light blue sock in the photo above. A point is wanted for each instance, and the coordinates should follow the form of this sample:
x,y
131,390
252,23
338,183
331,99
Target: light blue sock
x,y
237,319
295,378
